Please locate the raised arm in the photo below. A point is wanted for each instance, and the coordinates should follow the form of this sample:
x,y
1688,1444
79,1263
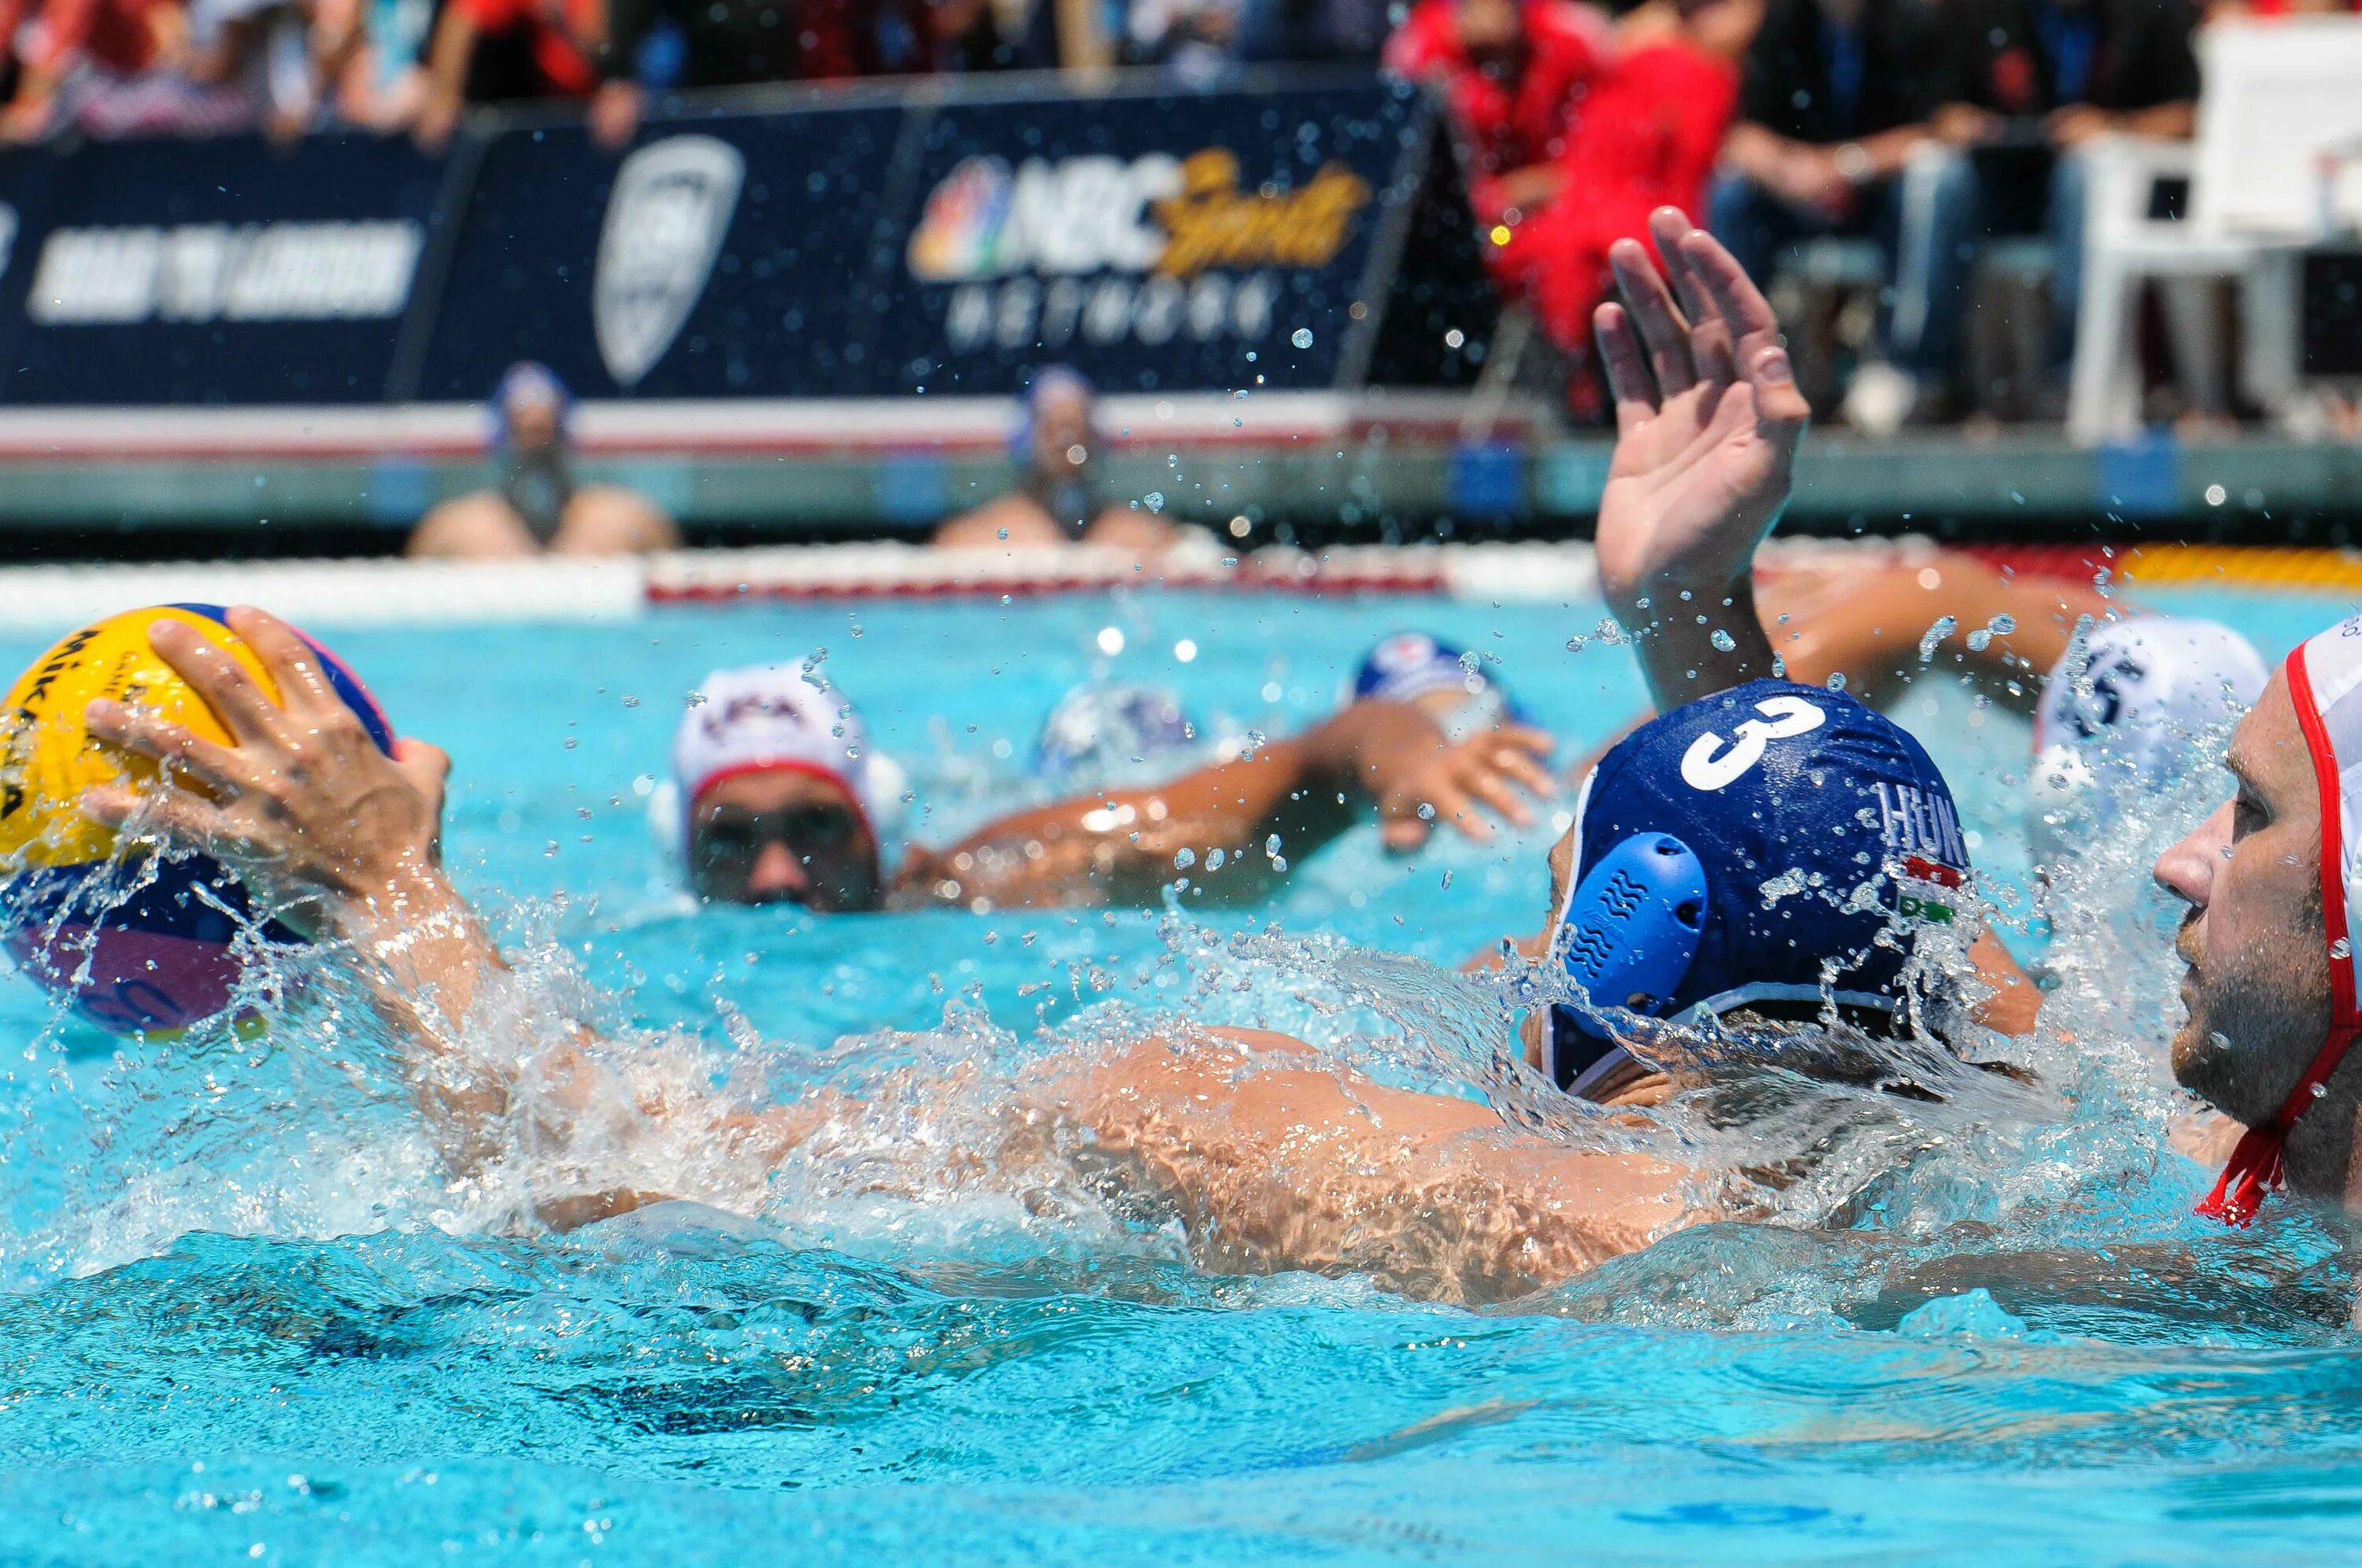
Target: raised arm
x,y
1239,823
1707,420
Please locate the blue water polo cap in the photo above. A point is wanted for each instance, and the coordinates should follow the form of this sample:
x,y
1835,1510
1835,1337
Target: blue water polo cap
x,y
1757,842
1095,732
1410,665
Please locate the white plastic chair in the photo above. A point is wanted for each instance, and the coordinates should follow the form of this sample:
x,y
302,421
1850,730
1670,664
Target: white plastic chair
x,y
2276,94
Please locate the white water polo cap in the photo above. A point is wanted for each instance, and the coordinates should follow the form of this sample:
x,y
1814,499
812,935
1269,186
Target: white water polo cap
x,y
2122,714
2141,690
2324,682
773,718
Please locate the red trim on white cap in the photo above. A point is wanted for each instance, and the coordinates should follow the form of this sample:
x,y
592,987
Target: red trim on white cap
x,y
807,769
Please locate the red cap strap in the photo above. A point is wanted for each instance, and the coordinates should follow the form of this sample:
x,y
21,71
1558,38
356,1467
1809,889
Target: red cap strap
x,y
2257,1164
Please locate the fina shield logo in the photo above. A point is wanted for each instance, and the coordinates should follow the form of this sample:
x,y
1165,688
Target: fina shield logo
x,y
671,206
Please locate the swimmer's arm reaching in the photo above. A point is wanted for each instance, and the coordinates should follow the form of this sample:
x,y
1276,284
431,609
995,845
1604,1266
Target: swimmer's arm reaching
x,y
1873,627
1120,846
1707,420
1273,1160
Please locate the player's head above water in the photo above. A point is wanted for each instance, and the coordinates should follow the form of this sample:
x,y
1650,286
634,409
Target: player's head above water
x,y
1098,732
780,797
1449,685
531,409
2132,706
2270,878
1058,429
1774,847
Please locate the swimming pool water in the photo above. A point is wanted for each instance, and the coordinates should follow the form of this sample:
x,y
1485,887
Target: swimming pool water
x,y
248,1319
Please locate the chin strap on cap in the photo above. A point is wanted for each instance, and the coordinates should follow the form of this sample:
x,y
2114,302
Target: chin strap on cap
x,y
2324,682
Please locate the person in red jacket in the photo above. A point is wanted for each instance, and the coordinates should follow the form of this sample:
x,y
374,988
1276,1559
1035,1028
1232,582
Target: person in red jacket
x,y
1576,128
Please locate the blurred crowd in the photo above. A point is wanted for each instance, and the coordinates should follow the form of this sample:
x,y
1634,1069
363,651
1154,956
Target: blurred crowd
x,y
112,68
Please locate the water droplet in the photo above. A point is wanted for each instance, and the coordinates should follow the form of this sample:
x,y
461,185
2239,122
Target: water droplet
x,y
1837,681
1575,644
1110,640
2001,626
2341,948
1302,337
2320,1091
1185,859
1979,640
1214,858
2220,1041
1723,640
1425,812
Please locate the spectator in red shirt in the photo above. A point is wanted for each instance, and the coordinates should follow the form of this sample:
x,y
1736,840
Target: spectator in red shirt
x,y
1577,128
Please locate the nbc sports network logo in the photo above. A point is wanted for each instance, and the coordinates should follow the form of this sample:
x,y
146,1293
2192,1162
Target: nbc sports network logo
x,y
1100,250
665,220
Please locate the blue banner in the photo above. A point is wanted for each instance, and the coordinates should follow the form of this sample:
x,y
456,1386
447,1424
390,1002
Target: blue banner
x,y
220,271
1166,242
719,256
1301,238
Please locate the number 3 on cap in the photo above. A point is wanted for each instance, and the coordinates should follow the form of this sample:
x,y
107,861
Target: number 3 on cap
x,y
1707,766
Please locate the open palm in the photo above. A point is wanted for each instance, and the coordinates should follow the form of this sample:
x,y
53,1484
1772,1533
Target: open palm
x,y
1707,420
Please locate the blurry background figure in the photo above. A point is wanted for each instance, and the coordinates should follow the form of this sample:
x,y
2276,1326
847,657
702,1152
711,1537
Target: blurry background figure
x,y
109,68
1100,735
373,60
497,50
1835,141
1576,128
538,506
2034,84
1059,498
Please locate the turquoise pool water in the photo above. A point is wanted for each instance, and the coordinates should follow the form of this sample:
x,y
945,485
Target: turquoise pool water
x,y
248,1320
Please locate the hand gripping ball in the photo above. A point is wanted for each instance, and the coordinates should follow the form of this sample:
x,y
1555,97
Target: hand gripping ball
x,y
138,942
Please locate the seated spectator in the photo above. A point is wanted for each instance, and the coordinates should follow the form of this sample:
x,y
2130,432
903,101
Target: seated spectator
x,y
1833,123
1059,498
2062,73
537,507
495,50
1553,101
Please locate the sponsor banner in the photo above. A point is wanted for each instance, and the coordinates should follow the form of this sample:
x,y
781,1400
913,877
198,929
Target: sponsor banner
x,y
214,271
723,255
1184,241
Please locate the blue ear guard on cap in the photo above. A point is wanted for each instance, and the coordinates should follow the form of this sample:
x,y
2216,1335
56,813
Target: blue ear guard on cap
x,y
1632,931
